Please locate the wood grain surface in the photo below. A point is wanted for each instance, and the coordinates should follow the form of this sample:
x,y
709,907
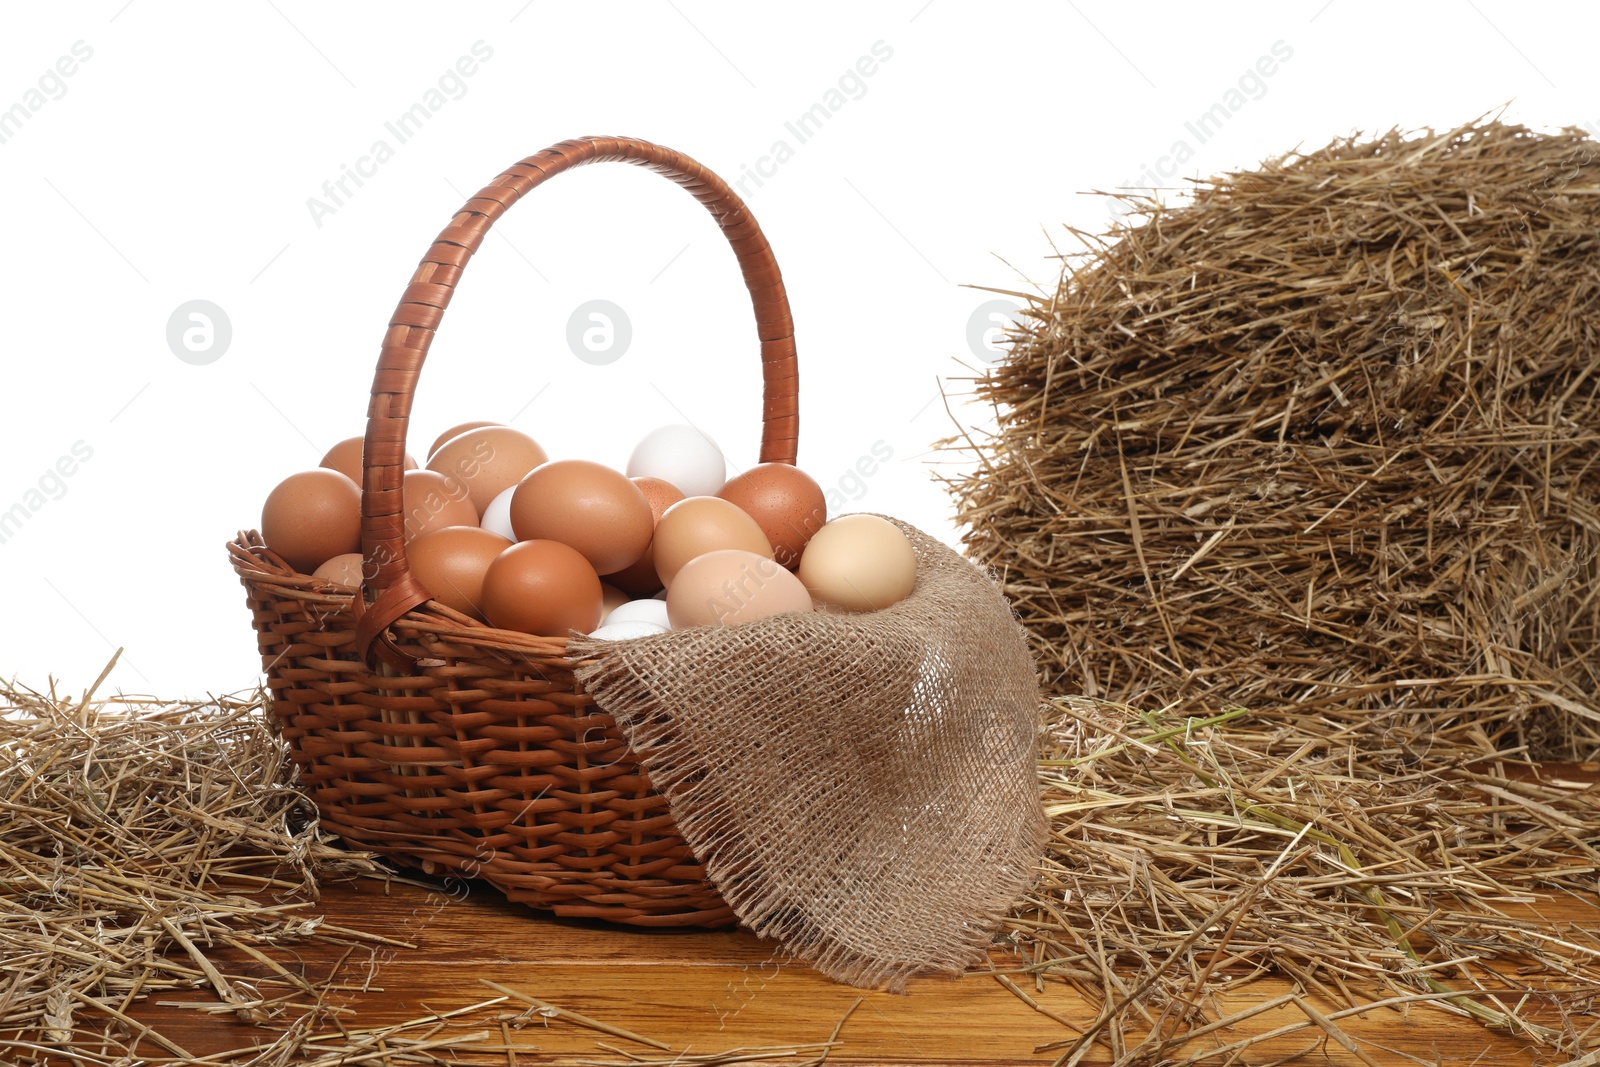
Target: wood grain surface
x,y
710,991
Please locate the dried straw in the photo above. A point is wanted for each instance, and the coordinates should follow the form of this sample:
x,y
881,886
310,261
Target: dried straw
x,y
148,843
138,837
1328,434
1191,855
142,841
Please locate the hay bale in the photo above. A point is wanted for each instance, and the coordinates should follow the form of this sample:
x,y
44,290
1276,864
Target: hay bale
x,y
1328,433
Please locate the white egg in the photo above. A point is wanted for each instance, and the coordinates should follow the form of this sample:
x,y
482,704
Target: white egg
x,y
626,631
497,516
651,611
682,456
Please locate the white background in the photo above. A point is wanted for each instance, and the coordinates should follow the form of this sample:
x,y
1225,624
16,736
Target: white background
x,y
177,163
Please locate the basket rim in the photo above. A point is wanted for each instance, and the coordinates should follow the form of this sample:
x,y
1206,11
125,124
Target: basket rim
x,y
253,560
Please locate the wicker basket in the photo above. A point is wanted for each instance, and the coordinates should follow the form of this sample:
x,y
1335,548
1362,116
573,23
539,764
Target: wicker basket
x,y
449,745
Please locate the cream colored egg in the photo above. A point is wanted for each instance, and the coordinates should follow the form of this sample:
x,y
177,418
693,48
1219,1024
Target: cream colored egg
x,y
859,563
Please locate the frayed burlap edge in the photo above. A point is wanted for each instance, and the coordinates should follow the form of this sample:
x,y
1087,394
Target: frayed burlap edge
x,y
860,787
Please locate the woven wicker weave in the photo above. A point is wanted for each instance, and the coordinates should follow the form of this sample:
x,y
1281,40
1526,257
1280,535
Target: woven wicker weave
x,y
452,746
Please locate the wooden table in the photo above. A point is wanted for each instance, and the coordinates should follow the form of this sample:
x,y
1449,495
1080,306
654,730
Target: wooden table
x,y
710,991
716,991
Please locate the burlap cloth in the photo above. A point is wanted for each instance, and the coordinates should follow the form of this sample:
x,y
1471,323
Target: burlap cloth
x,y
860,787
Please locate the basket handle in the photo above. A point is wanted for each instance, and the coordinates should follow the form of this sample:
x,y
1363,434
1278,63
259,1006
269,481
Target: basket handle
x,y
393,588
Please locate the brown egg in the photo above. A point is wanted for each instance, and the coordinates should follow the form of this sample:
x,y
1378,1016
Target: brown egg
x,y
311,517
662,495
450,563
487,460
345,457
589,506
542,587
345,569
785,502
434,501
641,579
456,431
700,524
611,598
730,586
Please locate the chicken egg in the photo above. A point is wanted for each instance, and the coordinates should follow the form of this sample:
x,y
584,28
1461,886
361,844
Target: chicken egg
x,y
312,516
641,578
652,611
627,631
611,598
451,564
497,516
345,457
456,431
785,502
345,569
433,501
542,587
699,524
587,505
730,586
487,460
859,563
682,456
